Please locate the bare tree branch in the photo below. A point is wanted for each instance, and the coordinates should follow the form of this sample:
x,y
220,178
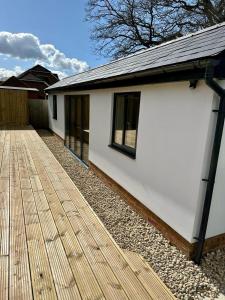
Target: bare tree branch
x,y
121,27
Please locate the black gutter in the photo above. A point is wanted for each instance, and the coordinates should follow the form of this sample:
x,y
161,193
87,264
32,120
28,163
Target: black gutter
x,y
209,74
178,72
194,74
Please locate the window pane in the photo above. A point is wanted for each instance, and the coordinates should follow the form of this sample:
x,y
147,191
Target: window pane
x,y
85,127
77,124
119,119
67,109
85,112
72,120
132,112
77,112
54,107
85,146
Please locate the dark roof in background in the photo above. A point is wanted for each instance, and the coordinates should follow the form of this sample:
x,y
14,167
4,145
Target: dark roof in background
x,y
206,43
40,73
13,81
37,78
37,68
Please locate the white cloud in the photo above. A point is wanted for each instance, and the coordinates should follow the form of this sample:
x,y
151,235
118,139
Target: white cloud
x,y
6,73
60,73
58,60
27,46
20,45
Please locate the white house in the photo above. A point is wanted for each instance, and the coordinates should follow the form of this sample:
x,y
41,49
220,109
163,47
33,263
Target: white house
x,y
152,124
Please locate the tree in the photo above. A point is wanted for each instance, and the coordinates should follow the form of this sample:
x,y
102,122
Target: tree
x,y
122,27
195,15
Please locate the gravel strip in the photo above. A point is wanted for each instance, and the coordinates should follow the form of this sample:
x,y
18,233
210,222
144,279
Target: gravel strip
x,y
132,232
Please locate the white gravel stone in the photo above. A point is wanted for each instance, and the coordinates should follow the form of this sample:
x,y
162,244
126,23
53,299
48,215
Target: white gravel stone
x,y
186,280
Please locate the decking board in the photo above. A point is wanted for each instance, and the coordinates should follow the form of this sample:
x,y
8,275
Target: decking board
x,y
20,280
52,244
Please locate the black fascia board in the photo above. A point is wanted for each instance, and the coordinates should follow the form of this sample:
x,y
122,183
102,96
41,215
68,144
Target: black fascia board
x,y
194,70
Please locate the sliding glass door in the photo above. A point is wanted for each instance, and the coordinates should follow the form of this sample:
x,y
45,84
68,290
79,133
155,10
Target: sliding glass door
x,y
85,127
77,125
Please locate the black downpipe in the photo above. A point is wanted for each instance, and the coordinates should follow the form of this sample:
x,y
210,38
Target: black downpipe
x,y
214,160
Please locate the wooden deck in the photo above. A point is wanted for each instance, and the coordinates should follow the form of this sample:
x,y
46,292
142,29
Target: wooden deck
x,y
52,244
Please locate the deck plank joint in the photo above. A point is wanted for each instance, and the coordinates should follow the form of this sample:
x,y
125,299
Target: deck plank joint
x,y
52,244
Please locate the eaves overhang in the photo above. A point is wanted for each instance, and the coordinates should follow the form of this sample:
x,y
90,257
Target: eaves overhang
x,y
192,70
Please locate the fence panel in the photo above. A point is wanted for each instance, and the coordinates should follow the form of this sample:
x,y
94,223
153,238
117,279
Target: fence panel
x,y
38,113
13,107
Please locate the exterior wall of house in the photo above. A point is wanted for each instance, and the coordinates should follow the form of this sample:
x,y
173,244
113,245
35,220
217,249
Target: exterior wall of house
x,y
172,134
175,127
216,224
58,126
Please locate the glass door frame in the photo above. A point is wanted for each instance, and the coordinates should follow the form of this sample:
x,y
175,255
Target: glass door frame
x,y
67,108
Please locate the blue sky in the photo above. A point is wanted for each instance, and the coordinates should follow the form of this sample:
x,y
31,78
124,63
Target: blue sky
x,y
60,24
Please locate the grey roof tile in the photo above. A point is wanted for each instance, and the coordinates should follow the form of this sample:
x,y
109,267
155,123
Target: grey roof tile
x,y
205,43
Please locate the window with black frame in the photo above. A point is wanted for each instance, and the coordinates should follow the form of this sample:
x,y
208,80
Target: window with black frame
x,y
125,122
54,115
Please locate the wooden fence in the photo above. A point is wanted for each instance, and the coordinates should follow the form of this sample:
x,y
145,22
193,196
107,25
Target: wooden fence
x,y
38,113
13,107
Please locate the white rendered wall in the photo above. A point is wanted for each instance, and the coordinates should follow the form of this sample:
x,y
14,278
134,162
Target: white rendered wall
x,y
173,132
216,224
58,126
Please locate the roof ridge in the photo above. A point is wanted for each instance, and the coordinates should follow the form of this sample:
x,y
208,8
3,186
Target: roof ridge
x,y
149,49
